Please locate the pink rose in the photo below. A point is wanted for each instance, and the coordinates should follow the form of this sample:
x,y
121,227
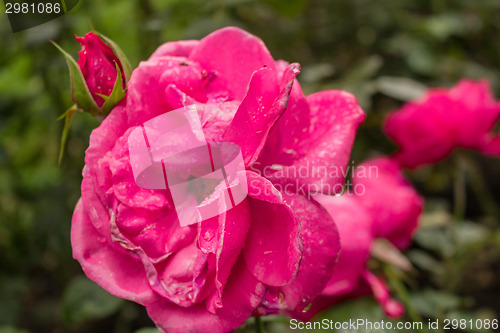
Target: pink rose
x,y
384,205
97,62
390,200
428,130
268,253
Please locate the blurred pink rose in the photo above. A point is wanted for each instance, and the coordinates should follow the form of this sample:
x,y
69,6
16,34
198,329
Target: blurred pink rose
x,y
390,200
275,250
428,130
385,205
97,62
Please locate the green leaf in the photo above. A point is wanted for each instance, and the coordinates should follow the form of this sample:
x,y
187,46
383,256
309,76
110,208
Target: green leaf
x,y
68,116
468,233
365,308
432,302
467,316
401,88
116,95
79,90
148,330
10,329
127,68
424,260
290,8
12,289
84,300
435,239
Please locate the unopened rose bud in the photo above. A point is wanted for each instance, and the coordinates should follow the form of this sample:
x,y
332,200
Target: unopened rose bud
x,y
98,80
98,62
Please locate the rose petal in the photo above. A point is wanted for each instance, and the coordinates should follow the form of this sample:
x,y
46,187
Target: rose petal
x,y
392,308
478,112
422,138
291,128
354,227
477,95
215,117
102,140
321,249
242,294
182,48
232,55
146,89
96,212
157,237
323,157
274,248
263,104
120,274
492,147
176,98
389,198
124,187
184,276
230,230
188,78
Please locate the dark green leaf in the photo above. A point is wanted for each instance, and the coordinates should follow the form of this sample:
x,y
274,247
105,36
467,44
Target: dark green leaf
x,y
287,8
84,300
10,329
148,330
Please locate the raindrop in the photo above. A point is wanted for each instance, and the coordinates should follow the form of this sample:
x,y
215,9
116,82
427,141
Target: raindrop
x,y
308,306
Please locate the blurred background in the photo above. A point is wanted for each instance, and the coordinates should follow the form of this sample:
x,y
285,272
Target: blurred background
x,y
384,51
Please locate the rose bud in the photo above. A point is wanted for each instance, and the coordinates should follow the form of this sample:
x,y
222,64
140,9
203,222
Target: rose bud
x,y
96,87
98,62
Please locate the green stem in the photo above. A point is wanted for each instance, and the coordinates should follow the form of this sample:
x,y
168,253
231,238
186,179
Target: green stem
x,y
481,191
402,292
459,189
68,116
259,326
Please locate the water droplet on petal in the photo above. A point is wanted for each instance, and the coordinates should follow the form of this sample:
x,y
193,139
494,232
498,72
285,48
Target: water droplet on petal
x,y
308,306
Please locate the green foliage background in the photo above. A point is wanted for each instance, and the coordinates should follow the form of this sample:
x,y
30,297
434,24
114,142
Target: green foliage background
x,y
383,51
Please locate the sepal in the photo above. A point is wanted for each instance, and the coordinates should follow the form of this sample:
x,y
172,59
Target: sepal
x,y
80,93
